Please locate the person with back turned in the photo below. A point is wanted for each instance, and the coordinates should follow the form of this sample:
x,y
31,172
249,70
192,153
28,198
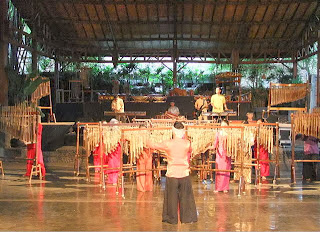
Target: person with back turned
x,y
178,192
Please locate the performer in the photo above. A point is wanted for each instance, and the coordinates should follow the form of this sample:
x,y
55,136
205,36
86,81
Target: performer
x,y
31,153
249,118
218,102
113,159
178,191
223,160
263,155
144,162
173,111
311,152
201,106
117,106
97,159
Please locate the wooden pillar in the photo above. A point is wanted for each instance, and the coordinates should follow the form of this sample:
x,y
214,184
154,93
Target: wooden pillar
x,y
34,41
56,74
295,68
174,70
235,58
34,56
4,82
318,75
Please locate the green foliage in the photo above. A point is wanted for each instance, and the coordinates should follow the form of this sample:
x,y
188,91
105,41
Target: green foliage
x,y
21,86
32,85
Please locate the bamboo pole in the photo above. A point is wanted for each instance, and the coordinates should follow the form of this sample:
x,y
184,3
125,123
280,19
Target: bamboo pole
x,y
293,135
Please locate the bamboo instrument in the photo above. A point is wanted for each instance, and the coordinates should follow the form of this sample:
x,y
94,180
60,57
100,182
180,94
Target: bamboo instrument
x,y
19,121
42,90
307,124
283,93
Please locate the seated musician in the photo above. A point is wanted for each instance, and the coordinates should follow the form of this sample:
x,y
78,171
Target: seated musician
x,y
249,118
117,106
201,106
218,102
173,111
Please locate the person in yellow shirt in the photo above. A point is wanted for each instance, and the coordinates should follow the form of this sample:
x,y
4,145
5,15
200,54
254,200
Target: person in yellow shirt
x,y
201,106
218,102
117,106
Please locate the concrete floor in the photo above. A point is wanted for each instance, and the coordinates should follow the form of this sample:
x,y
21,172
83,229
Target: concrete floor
x,y
65,202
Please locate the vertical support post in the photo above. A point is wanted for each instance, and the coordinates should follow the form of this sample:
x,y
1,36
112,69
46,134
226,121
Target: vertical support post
x,y
102,176
269,99
277,174
175,45
242,183
4,82
56,80
56,74
258,156
293,135
295,68
87,154
174,70
318,75
120,176
77,164
34,50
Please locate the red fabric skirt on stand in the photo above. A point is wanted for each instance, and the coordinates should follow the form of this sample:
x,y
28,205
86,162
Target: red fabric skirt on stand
x,y
31,153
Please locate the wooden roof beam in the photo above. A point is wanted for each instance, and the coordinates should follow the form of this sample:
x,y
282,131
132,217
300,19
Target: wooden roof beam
x,y
109,23
74,39
139,22
151,2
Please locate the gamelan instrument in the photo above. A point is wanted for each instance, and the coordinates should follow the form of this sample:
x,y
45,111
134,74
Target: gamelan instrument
x,y
222,114
126,114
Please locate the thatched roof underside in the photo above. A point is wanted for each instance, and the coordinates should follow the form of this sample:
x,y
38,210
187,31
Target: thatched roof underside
x,y
176,27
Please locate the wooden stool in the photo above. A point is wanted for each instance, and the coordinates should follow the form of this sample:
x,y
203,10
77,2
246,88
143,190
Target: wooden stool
x,y
1,167
35,170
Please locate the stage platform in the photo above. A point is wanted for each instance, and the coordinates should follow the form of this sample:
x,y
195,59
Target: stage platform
x,y
54,135
66,203
94,111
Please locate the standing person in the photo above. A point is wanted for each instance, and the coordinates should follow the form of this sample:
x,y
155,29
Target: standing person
x,y
311,152
178,192
144,162
201,106
113,159
117,106
263,155
223,160
218,102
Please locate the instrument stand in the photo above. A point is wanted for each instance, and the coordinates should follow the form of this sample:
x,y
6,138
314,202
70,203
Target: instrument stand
x,y
51,116
35,170
1,168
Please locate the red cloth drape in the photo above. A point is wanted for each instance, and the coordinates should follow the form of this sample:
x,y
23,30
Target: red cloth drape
x,y
31,153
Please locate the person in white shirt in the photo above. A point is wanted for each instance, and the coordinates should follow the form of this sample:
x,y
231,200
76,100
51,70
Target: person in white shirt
x,y
117,106
173,111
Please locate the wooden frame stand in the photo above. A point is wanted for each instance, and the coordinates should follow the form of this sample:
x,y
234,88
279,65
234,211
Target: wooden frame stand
x,y
35,171
1,168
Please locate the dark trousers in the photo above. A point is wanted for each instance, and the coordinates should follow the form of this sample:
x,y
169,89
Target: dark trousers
x,y
179,192
310,170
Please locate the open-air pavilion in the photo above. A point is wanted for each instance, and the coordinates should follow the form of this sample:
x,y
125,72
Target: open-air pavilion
x,y
235,32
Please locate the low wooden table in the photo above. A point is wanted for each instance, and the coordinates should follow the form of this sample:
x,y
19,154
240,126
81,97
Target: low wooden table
x,y
126,114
